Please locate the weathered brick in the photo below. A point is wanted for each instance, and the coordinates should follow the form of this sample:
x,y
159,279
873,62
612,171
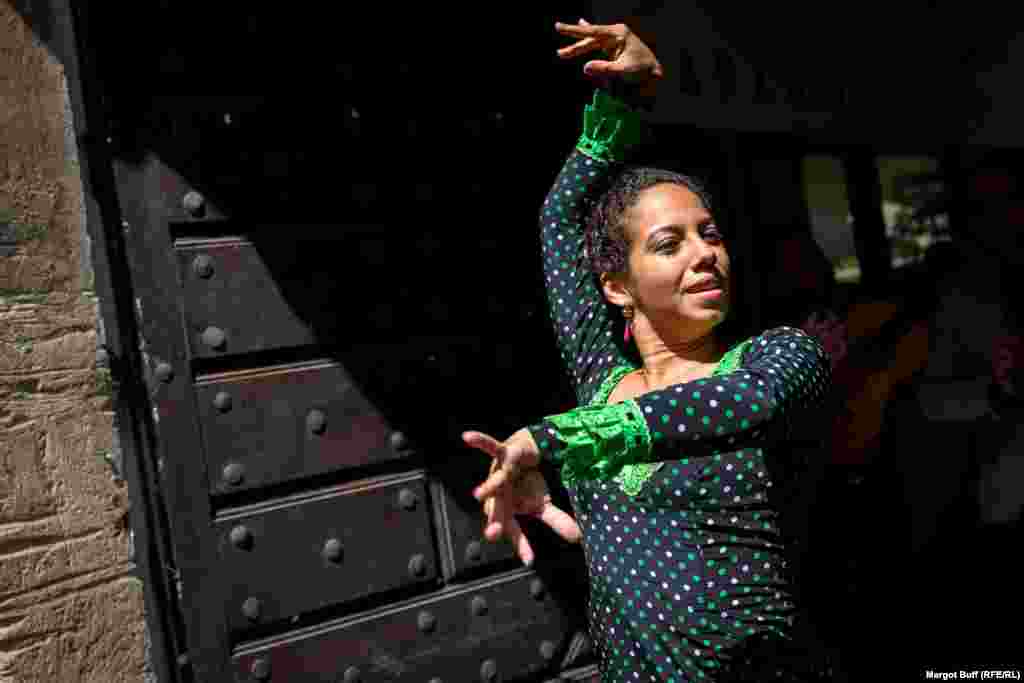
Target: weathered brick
x,y
69,609
64,513
92,633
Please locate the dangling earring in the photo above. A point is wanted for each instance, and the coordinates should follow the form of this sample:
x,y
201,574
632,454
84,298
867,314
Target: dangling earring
x,y
627,313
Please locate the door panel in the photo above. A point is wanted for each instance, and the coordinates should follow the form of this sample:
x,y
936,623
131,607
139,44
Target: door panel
x,y
500,630
334,268
271,425
318,549
470,551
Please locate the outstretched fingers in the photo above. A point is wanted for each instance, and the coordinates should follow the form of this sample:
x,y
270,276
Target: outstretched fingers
x,y
561,523
584,30
495,513
582,47
519,541
494,482
483,442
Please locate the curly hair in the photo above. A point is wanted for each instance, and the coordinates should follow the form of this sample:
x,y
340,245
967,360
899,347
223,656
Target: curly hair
x,y
605,238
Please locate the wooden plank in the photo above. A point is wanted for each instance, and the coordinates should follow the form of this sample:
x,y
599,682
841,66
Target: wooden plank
x,y
315,550
175,425
505,625
271,425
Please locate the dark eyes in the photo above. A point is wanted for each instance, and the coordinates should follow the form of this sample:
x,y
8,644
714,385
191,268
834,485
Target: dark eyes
x,y
709,232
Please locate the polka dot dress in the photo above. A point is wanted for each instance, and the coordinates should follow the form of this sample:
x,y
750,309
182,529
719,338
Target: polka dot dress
x,y
689,579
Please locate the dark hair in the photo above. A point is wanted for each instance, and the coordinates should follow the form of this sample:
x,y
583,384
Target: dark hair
x,y
607,246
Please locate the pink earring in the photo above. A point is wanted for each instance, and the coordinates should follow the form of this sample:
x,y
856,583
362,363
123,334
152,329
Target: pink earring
x,y
627,313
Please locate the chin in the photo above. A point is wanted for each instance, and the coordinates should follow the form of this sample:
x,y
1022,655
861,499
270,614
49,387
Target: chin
x,y
707,312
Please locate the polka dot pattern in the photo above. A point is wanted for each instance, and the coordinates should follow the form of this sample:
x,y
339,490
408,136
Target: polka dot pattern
x,y
582,325
689,576
691,570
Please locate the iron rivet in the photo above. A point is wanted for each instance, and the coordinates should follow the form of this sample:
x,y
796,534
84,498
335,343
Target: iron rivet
x,y
537,589
251,609
214,337
332,550
407,499
478,606
488,671
241,537
352,675
398,441
418,566
316,421
164,372
202,266
435,680
261,669
426,622
194,203
233,473
222,401
474,551
547,650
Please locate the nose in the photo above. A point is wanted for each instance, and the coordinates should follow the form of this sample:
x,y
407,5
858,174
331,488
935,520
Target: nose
x,y
707,255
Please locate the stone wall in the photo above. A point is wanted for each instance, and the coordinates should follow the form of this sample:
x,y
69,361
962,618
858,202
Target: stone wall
x,y
70,607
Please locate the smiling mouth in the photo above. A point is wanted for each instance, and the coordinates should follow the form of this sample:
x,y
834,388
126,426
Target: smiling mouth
x,y
707,288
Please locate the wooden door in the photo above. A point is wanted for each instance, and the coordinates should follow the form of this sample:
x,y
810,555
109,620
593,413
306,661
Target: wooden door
x,y
330,228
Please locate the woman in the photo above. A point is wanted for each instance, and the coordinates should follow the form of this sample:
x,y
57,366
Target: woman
x,y
670,463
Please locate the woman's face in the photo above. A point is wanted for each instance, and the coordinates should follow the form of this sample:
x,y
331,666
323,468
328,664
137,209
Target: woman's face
x,y
675,247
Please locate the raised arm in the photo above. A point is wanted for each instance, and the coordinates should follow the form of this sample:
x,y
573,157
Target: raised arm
x,y
583,327
611,128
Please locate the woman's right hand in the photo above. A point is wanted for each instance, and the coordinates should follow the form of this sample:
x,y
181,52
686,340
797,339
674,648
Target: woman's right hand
x,y
529,496
629,58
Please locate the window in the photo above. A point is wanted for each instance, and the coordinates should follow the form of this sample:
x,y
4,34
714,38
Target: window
x,y
915,215
829,214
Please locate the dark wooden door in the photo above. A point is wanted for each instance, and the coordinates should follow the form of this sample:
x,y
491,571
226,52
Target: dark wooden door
x,y
330,227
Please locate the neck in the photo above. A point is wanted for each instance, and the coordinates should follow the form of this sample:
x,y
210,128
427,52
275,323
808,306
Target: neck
x,y
665,362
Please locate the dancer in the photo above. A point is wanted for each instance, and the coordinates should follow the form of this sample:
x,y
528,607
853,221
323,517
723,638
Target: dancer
x,y
672,463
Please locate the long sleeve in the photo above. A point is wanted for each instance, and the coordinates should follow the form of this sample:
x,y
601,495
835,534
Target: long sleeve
x,y
782,378
583,326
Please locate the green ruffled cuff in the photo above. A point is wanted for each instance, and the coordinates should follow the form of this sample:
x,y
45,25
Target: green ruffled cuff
x,y
610,128
595,442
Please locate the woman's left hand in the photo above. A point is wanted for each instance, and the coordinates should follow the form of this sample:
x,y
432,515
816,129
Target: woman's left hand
x,y
630,58
514,455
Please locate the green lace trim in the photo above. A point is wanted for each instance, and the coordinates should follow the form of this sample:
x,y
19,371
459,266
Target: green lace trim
x,y
632,476
598,439
731,360
609,384
610,128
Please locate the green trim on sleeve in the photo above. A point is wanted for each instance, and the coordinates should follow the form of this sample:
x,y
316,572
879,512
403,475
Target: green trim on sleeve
x,y
596,441
602,441
610,128
632,477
